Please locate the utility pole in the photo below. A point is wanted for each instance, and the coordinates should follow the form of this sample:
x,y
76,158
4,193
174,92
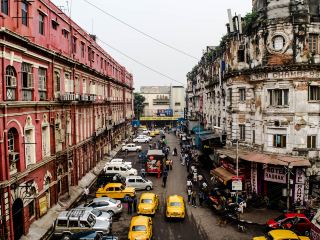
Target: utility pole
x,y
289,167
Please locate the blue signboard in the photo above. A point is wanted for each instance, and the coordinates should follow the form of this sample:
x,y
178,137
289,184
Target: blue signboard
x,y
165,112
135,123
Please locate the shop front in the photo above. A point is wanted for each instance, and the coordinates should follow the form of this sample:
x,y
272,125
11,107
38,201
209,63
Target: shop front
x,y
268,175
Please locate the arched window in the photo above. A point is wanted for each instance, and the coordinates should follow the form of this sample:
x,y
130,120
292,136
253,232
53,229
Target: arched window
x,y
13,150
11,83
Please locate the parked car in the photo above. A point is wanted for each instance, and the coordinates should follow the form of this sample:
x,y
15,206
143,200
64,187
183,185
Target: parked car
x,y
91,235
145,136
145,131
297,222
120,160
115,190
105,204
140,139
140,228
70,222
175,207
131,147
139,183
103,216
105,178
156,131
152,134
148,203
281,234
121,169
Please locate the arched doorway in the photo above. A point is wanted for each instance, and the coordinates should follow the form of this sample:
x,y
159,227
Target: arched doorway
x,y
17,215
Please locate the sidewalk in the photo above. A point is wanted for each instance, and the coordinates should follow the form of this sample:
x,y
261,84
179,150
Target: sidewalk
x,y
41,228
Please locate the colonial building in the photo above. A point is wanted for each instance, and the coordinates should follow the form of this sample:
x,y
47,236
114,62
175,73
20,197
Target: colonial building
x,y
163,104
261,86
65,103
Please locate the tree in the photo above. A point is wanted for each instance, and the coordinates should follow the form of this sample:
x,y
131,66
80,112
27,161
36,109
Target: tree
x,y
138,104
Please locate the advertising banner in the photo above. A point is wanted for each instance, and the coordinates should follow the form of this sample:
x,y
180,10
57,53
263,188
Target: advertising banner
x,y
254,177
43,205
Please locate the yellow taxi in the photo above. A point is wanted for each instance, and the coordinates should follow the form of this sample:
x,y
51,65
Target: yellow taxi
x,y
140,228
148,204
281,234
156,131
143,127
152,134
115,190
175,207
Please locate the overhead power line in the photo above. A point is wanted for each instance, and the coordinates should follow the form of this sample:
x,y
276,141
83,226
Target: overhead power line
x,y
141,32
140,63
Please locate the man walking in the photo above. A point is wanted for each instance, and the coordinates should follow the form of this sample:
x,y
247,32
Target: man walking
x,y
164,178
130,205
86,193
193,198
189,192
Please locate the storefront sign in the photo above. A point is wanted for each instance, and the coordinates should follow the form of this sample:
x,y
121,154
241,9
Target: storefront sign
x,y
43,205
285,75
300,177
236,184
299,194
254,177
275,174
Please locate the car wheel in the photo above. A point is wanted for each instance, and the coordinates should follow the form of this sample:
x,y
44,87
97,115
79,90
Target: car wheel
x,y
307,233
146,141
148,188
66,236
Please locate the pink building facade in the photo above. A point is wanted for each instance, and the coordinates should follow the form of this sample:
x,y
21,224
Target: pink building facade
x,y
64,104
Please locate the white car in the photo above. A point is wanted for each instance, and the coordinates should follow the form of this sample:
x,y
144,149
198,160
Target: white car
x,y
145,136
139,183
121,169
120,161
146,131
131,147
141,139
105,204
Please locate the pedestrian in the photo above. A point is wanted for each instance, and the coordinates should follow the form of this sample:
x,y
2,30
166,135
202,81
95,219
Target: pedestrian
x,y
86,193
135,204
201,197
175,151
129,205
150,146
167,164
188,165
189,184
170,164
193,198
189,192
158,168
164,178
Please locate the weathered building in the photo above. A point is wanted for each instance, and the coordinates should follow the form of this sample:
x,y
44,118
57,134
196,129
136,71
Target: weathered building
x,y
64,104
261,85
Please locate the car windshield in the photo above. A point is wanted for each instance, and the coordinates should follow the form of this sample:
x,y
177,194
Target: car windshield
x,y
139,228
175,204
91,220
112,200
146,201
280,218
96,212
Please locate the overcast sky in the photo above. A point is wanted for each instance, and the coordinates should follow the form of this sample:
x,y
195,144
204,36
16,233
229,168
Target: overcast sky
x,y
188,25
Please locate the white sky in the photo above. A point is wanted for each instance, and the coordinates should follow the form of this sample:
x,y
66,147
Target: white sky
x,y
189,25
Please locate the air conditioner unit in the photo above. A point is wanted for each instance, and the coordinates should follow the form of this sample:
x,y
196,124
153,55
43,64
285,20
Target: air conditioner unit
x,y
13,157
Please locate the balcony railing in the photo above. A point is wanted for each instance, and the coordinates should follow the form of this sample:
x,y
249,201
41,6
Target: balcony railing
x,y
11,94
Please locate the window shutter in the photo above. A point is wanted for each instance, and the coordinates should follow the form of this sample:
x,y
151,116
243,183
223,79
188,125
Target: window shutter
x,y
30,80
13,81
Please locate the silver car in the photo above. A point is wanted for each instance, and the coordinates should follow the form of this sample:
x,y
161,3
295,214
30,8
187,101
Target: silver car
x,y
75,221
103,216
105,204
139,183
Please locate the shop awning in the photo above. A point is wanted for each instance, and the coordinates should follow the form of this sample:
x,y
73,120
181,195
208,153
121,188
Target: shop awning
x,y
209,136
264,158
222,174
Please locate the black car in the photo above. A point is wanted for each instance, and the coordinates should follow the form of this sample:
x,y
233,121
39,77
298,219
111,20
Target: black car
x,y
105,178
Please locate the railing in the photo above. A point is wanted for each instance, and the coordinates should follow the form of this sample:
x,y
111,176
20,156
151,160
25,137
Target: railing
x,y
11,94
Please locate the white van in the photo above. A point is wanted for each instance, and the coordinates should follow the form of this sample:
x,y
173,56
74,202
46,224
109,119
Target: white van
x,y
122,169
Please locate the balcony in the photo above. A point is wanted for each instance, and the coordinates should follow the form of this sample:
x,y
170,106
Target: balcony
x,y
161,101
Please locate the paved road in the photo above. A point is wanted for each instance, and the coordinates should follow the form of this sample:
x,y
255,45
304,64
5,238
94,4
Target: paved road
x,y
200,223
